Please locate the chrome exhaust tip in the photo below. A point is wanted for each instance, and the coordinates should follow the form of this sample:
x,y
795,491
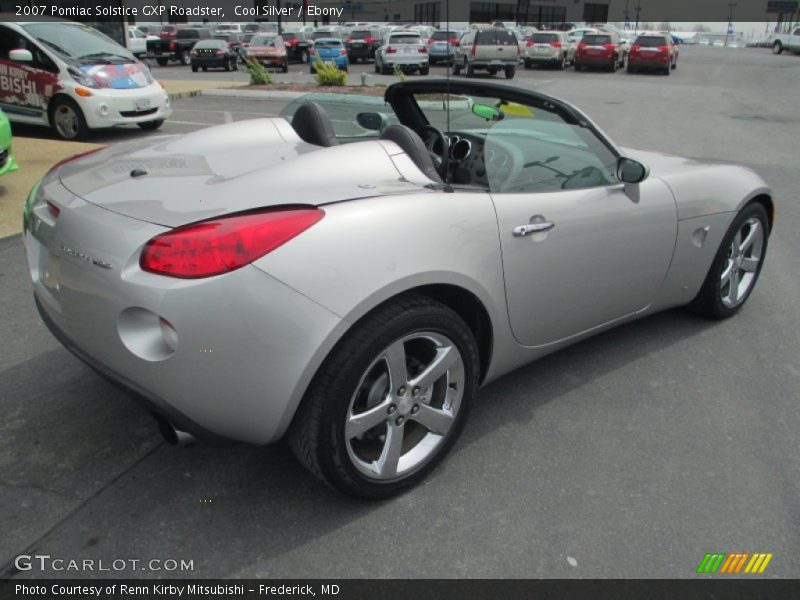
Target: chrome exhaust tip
x,y
172,435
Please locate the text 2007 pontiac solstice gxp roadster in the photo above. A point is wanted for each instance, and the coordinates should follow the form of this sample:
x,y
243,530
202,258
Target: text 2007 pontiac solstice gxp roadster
x,y
349,276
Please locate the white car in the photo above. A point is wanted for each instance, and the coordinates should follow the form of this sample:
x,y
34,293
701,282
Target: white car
x,y
74,79
403,49
137,42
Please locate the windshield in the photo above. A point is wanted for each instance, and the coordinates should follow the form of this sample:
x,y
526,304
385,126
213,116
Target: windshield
x,y
328,43
596,40
544,38
361,35
264,40
444,35
405,39
209,44
650,41
79,43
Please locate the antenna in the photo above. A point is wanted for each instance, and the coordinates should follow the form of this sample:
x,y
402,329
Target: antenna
x,y
449,67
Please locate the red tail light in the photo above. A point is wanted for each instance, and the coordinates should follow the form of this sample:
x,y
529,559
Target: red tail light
x,y
348,40
193,53
555,44
663,49
582,46
431,41
609,47
390,50
474,50
369,40
342,52
528,43
220,52
224,244
634,50
69,159
422,49
172,44
293,42
453,41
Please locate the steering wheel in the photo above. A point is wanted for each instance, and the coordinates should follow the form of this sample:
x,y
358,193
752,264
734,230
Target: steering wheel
x,y
441,161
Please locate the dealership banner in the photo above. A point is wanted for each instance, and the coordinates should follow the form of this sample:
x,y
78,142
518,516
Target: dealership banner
x,y
401,589
440,11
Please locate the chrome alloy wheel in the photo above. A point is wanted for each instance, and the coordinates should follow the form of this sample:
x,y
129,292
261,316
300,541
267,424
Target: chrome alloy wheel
x,y
405,404
66,121
744,256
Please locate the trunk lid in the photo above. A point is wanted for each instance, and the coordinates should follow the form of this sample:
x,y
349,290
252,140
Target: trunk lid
x,y
176,180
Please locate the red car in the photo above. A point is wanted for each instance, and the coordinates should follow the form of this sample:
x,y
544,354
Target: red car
x,y
653,53
268,49
601,49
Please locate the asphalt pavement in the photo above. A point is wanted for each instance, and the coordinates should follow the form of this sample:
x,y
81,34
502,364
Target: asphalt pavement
x,y
629,455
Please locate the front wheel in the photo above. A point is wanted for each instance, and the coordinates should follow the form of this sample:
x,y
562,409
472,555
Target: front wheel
x,y
162,62
67,119
304,56
185,57
777,48
562,64
424,70
390,400
736,266
510,72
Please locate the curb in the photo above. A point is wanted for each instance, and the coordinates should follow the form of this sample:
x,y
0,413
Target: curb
x,y
179,95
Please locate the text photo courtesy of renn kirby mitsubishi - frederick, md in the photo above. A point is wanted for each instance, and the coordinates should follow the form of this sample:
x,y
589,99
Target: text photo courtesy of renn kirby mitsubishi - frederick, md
x,y
430,298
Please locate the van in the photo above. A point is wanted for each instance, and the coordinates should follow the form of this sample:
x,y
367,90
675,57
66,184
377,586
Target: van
x,y
73,79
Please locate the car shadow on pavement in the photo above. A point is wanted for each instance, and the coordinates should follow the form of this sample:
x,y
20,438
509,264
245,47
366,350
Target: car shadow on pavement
x,y
111,488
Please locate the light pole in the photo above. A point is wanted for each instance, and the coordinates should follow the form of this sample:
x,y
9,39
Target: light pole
x,y
731,6
638,10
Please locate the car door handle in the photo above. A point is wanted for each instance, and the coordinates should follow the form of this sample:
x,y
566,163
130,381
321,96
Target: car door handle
x,y
530,228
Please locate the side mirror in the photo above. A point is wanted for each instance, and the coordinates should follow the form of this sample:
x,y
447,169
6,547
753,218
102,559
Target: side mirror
x,y
631,171
20,55
372,121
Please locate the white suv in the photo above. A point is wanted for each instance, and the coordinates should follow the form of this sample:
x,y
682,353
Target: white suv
x,y
404,50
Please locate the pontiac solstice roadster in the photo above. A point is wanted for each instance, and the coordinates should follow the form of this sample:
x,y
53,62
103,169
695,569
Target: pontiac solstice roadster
x,y
349,274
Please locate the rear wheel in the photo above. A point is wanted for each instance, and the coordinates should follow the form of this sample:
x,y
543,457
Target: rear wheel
x,y
195,68
67,119
675,64
162,62
577,66
304,56
227,65
456,68
469,69
285,67
390,400
185,58
205,69
562,64
736,266
527,64
630,69
510,72
424,70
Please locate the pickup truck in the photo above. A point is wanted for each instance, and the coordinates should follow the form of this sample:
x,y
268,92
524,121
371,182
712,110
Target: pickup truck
x,y
178,47
786,41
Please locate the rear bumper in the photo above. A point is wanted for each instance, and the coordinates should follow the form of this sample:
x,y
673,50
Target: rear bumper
x,y
361,52
210,62
648,63
245,345
496,63
594,61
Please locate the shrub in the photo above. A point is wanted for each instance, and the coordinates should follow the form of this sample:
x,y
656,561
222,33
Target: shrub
x,y
258,72
329,74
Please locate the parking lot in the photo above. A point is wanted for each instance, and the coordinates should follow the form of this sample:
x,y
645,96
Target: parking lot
x,y
629,455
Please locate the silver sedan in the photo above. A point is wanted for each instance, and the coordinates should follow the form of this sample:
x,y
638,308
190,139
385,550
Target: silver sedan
x,y
348,275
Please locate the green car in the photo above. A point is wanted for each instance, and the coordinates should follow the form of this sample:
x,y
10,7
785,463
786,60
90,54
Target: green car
x,y
7,162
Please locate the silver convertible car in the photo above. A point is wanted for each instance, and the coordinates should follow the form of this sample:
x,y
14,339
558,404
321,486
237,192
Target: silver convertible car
x,y
349,274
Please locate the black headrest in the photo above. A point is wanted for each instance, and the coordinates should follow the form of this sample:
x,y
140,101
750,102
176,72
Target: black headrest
x,y
412,145
313,125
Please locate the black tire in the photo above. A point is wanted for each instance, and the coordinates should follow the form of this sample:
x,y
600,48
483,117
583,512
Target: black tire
x,y
424,70
162,62
777,48
317,434
304,57
79,130
675,64
185,58
469,68
630,69
205,69
432,62
526,64
377,66
456,68
151,125
195,68
667,71
227,65
562,64
285,68
577,66
510,72
708,301
311,69
235,65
